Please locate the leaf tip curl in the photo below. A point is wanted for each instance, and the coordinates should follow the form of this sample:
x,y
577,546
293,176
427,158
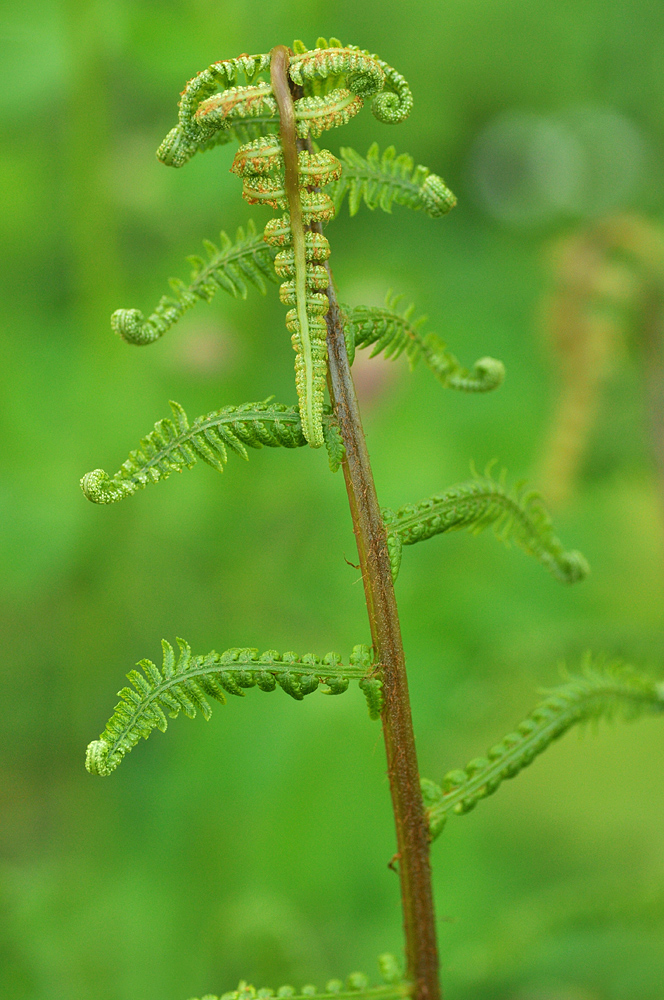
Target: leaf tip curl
x,y
96,758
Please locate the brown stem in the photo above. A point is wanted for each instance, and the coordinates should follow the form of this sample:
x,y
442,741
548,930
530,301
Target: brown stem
x,y
412,832
411,829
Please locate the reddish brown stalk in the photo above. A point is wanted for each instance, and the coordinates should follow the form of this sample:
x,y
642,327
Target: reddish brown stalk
x,y
411,830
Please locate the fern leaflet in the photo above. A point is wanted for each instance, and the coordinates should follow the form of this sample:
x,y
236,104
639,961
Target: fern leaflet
x,y
175,444
183,685
380,181
232,266
356,987
517,514
243,130
394,333
600,692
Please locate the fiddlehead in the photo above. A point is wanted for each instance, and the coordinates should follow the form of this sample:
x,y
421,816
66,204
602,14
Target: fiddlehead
x,y
600,692
381,181
356,987
393,333
232,266
213,107
275,174
185,683
176,444
194,133
334,81
516,514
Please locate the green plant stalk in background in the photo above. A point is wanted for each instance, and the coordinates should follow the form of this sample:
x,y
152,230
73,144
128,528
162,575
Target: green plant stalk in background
x,y
289,98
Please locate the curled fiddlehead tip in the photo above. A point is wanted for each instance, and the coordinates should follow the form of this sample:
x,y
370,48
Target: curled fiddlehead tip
x,y
96,758
489,373
176,149
436,196
393,104
131,326
100,488
573,567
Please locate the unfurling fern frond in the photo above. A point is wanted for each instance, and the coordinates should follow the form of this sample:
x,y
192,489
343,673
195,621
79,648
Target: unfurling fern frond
x,y
315,84
356,987
393,333
185,684
380,181
233,266
190,134
212,105
516,514
175,444
600,692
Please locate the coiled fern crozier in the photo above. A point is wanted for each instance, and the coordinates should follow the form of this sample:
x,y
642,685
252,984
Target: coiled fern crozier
x,y
274,105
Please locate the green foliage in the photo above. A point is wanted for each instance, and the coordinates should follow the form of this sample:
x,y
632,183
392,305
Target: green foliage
x,y
570,903
516,514
394,333
267,115
602,691
212,103
232,266
381,181
191,135
334,81
356,987
175,445
185,684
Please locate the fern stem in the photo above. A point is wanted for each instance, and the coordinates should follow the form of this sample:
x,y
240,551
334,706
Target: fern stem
x,y
411,826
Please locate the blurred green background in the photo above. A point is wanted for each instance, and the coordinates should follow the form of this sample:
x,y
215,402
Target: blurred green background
x,y
257,845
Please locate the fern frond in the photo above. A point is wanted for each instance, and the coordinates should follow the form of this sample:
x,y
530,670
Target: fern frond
x,y
316,85
184,685
380,181
243,130
394,333
356,987
190,134
176,149
516,514
602,691
232,266
174,445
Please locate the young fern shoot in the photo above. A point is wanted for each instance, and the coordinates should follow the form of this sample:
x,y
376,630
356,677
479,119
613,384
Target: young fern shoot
x,y
274,104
